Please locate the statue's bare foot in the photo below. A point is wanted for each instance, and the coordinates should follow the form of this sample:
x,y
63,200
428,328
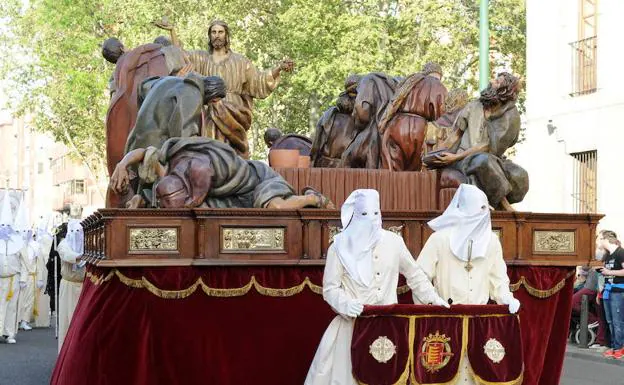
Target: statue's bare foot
x,y
135,202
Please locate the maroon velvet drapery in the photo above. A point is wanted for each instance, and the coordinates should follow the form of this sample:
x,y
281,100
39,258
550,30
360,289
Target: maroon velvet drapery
x,y
435,343
163,326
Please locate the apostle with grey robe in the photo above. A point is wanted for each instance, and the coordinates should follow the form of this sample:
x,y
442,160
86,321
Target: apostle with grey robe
x,y
202,172
484,130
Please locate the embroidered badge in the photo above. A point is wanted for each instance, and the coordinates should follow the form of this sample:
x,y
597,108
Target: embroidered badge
x,y
435,352
494,350
382,349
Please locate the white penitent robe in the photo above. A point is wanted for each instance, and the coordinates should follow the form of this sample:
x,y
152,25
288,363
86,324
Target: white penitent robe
x,y
71,286
10,275
43,319
34,266
487,278
332,362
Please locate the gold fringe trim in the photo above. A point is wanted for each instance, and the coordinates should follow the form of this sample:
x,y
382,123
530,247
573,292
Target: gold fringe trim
x,y
538,293
144,283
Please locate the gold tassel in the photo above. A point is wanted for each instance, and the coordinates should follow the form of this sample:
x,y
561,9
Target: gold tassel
x,y
36,299
10,294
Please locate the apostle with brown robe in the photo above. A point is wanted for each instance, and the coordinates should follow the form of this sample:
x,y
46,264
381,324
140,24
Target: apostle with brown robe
x,y
202,172
132,67
336,128
484,130
374,90
418,100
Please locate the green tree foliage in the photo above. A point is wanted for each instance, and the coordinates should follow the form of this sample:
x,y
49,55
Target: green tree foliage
x,y
55,69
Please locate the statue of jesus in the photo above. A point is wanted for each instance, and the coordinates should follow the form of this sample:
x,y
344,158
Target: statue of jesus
x,y
243,81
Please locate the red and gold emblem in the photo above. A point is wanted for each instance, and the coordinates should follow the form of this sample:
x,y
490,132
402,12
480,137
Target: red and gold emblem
x,y
435,352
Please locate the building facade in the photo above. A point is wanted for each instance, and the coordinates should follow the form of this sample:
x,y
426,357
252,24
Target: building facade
x,y
574,109
53,183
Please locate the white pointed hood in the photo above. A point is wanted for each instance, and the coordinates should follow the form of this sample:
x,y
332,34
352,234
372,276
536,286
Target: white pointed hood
x,y
10,241
361,230
22,222
75,236
468,217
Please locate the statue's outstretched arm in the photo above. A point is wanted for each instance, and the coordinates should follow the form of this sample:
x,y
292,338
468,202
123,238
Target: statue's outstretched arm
x,y
120,179
167,26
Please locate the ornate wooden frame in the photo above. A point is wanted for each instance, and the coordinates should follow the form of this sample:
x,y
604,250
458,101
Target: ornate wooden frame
x,y
307,234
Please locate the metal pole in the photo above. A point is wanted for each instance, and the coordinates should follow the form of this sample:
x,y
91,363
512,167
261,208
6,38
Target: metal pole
x,y
56,298
584,321
484,45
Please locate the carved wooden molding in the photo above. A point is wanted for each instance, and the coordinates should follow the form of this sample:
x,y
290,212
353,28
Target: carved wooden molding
x,y
554,241
149,239
244,239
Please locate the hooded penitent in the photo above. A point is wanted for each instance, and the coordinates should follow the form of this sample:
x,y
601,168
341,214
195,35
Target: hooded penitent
x,y
75,236
22,223
361,222
10,241
468,216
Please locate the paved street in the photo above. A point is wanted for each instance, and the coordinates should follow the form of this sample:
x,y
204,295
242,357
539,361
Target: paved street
x,y
31,360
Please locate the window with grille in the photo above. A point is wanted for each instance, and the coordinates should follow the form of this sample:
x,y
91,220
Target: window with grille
x,y
584,50
585,182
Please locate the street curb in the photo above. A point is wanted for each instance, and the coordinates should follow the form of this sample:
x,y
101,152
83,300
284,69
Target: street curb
x,y
594,358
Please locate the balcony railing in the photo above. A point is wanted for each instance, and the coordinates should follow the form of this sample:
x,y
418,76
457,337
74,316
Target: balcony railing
x,y
584,66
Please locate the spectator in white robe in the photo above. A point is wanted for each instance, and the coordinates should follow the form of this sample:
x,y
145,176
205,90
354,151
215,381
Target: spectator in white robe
x,y
362,268
464,258
73,272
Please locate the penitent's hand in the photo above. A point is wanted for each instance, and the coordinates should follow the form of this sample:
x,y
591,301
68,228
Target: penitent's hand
x,y
120,179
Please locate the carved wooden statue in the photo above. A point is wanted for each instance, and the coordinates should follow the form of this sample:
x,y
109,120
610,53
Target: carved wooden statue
x,y
418,100
484,130
243,81
202,172
336,128
132,67
439,130
374,90
275,140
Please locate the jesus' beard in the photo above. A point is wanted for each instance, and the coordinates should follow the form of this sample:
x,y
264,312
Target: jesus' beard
x,y
217,43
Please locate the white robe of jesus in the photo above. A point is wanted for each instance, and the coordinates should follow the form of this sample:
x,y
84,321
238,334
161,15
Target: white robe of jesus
x,y
332,362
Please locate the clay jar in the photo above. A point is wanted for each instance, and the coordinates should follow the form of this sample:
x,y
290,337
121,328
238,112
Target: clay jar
x,y
304,161
284,158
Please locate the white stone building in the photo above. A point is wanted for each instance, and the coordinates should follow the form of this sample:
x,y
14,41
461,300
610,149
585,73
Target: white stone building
x,y
574,149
